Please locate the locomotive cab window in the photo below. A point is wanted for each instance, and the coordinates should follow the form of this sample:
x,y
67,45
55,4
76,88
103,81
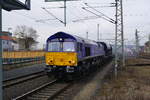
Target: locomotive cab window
x,y
61,46
79,46
54,46
68,46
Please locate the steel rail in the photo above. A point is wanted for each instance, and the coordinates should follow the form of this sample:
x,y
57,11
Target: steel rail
x,y
21,79
59,92
45,92
23,96
21,76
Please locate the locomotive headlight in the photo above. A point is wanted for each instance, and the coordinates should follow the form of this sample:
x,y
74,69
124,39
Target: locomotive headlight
x,y
50,61
71,61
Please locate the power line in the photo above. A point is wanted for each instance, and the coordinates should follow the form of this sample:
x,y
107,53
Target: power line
x,y
43,20
53,7
52,15
69,10
86,18
77,10
111,21
29,17
137,41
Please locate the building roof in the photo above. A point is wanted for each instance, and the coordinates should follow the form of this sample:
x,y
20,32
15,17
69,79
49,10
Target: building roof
x,y
6,36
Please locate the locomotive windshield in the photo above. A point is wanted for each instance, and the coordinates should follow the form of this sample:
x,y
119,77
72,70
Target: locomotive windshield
x,y
68,46
61,46
54,46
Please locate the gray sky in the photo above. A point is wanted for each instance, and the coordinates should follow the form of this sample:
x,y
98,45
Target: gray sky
x,y
136,15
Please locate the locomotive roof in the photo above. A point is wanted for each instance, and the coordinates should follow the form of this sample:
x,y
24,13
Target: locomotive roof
x,y
74,37
106,44
60,35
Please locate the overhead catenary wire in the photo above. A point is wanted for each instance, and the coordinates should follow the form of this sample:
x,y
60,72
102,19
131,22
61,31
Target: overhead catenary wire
x,y
112,20
86,18
29,17
53,7
43,20
76,15
71,11
101,6
52,15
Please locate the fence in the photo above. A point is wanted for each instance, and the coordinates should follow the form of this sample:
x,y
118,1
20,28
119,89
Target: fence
x,y
21,58
23,54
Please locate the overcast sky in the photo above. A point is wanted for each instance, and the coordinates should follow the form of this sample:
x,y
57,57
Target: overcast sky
x,y
136,16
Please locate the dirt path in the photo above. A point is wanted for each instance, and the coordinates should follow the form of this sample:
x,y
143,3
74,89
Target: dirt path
x,y
89,90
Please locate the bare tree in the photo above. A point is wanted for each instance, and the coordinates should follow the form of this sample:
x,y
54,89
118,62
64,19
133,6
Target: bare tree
x,y
26,37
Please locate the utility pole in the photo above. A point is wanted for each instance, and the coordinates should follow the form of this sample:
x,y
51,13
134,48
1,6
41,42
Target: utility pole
x,y
149,37
87,35
1,50
97,32
137,41
149,42
65,13
119,35
119,30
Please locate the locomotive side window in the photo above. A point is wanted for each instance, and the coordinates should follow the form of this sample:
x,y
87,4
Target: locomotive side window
x,y
68,46
54,46
79,46
87,51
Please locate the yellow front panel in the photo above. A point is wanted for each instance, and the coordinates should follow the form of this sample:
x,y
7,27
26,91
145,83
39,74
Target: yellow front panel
x,y
61,58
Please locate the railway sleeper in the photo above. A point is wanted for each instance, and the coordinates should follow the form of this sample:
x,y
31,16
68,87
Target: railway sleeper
x,y
50,89
32,98
45,94
41,96
60,97
46,91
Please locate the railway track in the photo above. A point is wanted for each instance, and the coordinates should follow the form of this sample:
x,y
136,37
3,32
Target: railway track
x,y
48,91
18,80
145,57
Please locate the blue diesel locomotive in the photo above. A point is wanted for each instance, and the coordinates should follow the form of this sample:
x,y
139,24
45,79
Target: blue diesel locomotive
x,y
68,55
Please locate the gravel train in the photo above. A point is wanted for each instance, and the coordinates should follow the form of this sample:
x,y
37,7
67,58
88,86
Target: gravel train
x,y
71,56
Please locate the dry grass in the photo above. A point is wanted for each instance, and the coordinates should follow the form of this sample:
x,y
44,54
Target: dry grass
x,y
131,84
137,61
